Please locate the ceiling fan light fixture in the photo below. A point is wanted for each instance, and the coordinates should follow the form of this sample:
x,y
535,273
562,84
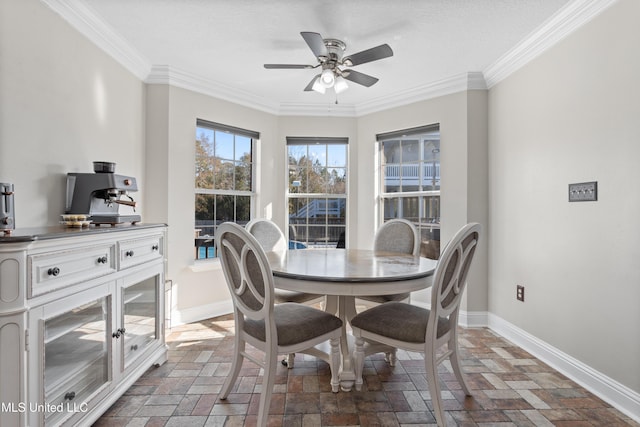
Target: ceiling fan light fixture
x,y
341,85
318,86
327,78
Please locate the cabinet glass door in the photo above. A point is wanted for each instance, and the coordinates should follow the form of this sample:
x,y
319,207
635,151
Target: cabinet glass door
x,y
140,322
76,357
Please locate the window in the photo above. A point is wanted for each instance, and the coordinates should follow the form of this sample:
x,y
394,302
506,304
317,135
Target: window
x,y
317,196
223,181
410,182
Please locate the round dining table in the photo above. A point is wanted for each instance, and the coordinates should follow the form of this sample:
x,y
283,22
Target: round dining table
x,y
345,274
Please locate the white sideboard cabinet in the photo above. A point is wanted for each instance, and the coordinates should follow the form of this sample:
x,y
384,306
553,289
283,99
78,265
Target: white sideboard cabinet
x,y
81,319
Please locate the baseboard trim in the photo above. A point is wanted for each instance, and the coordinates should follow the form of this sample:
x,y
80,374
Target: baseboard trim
x,y
618,395
473,319
202,312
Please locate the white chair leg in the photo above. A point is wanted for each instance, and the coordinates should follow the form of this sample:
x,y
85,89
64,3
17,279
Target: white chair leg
x,y
236,364
434,390
457,368
358,355
271,359
334,364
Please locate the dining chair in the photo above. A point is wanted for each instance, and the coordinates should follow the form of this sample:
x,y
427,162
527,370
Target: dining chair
x,y
271,328
271,238
417,329
400,236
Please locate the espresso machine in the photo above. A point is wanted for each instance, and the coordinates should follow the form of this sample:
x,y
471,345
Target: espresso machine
x,y
102,195
7,212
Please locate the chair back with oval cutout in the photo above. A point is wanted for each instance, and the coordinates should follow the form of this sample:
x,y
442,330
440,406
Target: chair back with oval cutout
x,y
247,271
450,277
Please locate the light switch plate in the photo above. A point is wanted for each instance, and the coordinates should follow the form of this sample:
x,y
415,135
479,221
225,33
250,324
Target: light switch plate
x,y
583,192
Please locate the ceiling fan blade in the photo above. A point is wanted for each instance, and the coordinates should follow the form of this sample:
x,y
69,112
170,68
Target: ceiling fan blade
x,y
360,78
310,85
315,42
286,66
373,54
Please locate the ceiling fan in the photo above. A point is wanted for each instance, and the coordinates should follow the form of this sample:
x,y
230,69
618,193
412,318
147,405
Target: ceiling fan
x,y
335,67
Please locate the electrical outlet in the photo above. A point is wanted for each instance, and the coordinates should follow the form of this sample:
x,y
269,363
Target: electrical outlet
x,y
583,192
520,293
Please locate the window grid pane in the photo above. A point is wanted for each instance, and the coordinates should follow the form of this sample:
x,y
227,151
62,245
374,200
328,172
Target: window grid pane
x,y
223,183
317,194
410,183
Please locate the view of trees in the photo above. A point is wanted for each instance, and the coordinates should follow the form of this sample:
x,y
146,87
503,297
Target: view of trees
x,y
216,168
310,176
317,171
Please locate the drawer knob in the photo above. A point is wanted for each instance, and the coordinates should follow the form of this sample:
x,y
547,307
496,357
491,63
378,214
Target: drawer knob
x,y
128,253
53,271
155,247
134,347
70,395
102,260
118,333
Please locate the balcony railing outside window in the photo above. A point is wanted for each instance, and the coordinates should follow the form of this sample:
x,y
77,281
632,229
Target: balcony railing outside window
x,y
425,176
410,182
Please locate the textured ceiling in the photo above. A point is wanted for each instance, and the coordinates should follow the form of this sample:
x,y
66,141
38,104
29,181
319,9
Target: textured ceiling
x,y
226,42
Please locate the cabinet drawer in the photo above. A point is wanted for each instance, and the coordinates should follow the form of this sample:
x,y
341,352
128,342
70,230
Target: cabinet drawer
x,y
54,270
137,251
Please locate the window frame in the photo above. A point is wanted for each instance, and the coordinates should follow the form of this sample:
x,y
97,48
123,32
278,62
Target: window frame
x,y
431,229
327,197
209,239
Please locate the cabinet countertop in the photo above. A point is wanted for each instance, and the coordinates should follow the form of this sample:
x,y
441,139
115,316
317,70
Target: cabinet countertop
x,y
55,232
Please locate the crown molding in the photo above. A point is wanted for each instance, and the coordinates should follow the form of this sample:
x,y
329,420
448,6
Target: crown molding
x,y
166,74
459,83
85,20
567,20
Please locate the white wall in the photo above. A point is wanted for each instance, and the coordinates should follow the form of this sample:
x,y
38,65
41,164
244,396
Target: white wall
x,y
571,115
463,173
63,104
199,290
